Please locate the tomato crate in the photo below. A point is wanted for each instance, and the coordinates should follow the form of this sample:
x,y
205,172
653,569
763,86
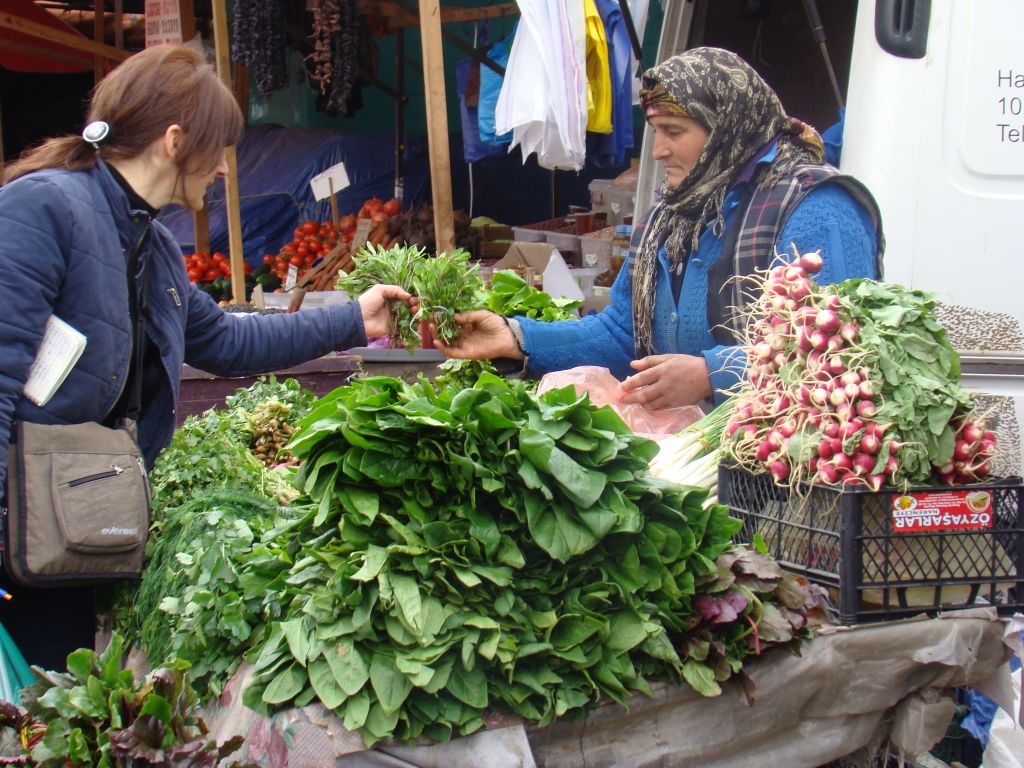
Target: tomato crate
x,y
890,554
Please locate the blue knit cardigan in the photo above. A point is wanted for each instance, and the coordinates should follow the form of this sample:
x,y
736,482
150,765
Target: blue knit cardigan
x,y
828,219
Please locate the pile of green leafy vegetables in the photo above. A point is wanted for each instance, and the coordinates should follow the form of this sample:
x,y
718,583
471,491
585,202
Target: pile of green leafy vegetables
x,y
213,450
459,552
510,295
488,549
191,603
208,481
98,714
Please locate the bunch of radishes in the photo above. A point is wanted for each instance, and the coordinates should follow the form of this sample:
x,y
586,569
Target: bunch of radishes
x,y
813,408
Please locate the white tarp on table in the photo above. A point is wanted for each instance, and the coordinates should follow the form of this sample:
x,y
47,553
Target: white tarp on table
x,y
847,689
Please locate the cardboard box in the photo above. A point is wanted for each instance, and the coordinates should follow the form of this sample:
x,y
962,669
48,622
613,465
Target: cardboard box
x,y
544,260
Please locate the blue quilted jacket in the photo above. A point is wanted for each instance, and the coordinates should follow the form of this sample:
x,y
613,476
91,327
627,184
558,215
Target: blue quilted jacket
x,y
828,218
64,236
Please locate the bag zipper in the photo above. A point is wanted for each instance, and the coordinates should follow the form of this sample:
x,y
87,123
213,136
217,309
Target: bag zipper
x,y
114,471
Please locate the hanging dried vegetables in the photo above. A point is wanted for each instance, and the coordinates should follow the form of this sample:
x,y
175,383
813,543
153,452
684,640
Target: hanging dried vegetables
x,y
326,24
344,61
260,41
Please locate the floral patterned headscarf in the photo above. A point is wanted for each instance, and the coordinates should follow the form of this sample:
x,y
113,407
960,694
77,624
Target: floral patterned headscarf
x,y
742,114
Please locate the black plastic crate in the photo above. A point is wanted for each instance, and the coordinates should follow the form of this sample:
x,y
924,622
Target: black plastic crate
x,y
890,554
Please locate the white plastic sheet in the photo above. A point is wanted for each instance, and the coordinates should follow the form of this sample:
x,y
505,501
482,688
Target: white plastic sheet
x,y
543,99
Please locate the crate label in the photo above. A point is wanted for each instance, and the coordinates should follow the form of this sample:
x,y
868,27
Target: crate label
x,y
941,511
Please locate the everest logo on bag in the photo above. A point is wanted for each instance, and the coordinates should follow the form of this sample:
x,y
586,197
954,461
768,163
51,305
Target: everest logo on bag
x,y
119,531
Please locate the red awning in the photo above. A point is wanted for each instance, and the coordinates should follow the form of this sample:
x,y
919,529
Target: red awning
x,y
26,53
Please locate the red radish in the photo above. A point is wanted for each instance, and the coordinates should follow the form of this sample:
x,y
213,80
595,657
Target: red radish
x,y
764,451
972,433
962,450
832,429
867,389
843,411
779,470
825,448
875,481
794,274
852,392
850,377
866,409
836,366
819,340
842,461
870,444
863,463
811,262
849,332
832,302
827,321
828,473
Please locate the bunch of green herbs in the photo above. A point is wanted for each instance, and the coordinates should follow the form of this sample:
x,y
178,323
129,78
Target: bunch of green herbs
x,y
191,603
376,265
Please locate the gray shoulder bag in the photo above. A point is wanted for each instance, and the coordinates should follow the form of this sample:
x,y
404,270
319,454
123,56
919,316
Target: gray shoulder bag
x,y
77,494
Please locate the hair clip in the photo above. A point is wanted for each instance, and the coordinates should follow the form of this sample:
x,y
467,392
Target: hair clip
x,y
95,132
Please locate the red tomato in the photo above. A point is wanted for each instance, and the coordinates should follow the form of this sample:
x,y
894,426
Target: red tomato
x,y
309,227
268,259
379,216
194,274
302,251
295,261
392,207
348,222
211,273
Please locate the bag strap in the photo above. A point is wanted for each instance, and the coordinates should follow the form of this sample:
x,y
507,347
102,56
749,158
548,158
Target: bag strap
x,y
138,308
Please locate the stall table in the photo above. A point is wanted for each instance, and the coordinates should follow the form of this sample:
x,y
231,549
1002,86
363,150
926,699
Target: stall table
x,y
848,689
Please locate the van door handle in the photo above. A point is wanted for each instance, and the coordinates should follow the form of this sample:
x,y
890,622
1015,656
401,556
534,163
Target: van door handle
x,y
901,27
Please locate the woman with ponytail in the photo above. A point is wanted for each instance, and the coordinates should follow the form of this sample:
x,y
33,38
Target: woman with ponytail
x,y
744,184
80,242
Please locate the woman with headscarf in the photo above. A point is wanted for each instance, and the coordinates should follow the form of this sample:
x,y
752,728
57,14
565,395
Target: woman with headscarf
x,y
744,185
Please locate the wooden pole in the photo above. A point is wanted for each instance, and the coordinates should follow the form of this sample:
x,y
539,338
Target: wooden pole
x,y
200,219
231,202
335,219
437,124
99,37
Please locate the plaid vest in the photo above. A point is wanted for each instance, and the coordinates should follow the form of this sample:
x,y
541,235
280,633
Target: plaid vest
x,y
753,232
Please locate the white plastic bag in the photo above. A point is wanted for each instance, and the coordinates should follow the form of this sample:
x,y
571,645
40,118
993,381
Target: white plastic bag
x,y
543,99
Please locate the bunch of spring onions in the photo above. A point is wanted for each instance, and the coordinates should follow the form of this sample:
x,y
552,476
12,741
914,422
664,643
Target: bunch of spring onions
x,y
691,457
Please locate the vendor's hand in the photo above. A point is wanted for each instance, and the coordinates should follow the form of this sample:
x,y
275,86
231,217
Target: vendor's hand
x,y
484,335
667,381
377,318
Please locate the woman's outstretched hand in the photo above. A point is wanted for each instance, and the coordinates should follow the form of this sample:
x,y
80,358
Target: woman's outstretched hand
x,y
667,381
484,335
377,318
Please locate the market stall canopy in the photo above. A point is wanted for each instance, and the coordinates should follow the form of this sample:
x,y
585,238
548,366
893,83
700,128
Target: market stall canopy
x,y
23,52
